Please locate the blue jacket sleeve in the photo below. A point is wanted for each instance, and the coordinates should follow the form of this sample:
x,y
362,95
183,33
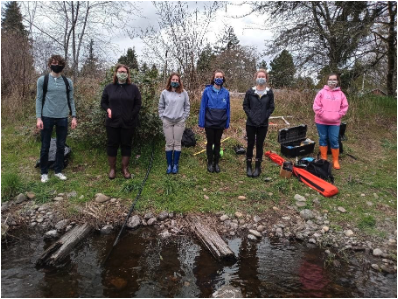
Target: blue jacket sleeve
x,y
228,112
202,111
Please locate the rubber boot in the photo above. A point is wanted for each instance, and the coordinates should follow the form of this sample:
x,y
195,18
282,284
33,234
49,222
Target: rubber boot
x,y
169,158
249,170
210,167
335,155
257,170
324,152
215,163
112,166
176,160
125,164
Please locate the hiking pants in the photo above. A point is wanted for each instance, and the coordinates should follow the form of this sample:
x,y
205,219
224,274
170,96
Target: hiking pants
x,y
213,136
252,132
173,132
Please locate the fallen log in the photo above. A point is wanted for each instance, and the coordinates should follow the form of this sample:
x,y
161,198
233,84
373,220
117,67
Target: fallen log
x,y
210,239
62,247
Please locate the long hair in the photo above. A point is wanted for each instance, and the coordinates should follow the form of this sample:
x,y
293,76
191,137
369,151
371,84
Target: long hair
x,y
118,66
58,58
214,75
333,74
168,84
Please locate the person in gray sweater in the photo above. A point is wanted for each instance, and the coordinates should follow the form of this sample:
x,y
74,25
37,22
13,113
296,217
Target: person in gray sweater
x,y
174,109
52,110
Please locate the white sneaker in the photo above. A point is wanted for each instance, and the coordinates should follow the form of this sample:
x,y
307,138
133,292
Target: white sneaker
x,y
60,176
44,178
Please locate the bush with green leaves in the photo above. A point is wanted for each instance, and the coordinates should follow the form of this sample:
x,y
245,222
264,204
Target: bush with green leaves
x,y
91,127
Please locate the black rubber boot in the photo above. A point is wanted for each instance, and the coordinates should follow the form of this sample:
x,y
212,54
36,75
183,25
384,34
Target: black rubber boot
x,y
215,164
257,170
249,170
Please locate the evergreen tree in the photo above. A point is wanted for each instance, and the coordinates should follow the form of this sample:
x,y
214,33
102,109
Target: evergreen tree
x,y
130,59
228,41
12,18
263,65
90,66
144,68
154,72
206,59
282,70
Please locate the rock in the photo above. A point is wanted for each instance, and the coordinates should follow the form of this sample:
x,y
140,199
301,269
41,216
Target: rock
x,y
151,221
375,195
377,252
256,219
392,242
31,195
348,233
165,234
81,197
317,235
61,225
241,197
255,233
5,206
238,215
300,204
327,252
286,218
101,198
251,237
316,202
113,200
234,225
58,198
171,215
279,232
224,217
232,233
148,216
267,179
133,222
33,224
387,269
68,228
341,209
71,194
205,197
298,197
325,229
306,214
39,220
51,234
4,229
275,208
107,229
227,291
363,195
163,215
312,240
369,203
20,198
260,228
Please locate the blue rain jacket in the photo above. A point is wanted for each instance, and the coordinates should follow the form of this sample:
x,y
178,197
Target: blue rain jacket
x,y
215,109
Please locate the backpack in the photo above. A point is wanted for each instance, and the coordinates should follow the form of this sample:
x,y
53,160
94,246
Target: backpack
x,y
45,85
188,138
321,168
52,155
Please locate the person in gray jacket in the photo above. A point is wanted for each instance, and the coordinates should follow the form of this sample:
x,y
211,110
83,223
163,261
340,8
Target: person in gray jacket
x,y
174,109
52,110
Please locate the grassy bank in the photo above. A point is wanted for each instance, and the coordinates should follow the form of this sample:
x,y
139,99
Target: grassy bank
x,y
372,139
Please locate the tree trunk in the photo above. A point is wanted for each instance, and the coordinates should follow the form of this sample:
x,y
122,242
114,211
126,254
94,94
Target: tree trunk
x,y
210,239
61,248
392,52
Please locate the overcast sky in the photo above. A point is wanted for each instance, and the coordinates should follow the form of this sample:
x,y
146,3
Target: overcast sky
x,y
227,16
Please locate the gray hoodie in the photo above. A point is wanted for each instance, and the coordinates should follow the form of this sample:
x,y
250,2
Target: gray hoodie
x,y
174,106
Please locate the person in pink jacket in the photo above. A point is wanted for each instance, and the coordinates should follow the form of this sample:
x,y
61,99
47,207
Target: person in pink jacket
x,y
330,105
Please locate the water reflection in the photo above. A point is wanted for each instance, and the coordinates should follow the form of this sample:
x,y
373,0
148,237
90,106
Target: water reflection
x,y
143,265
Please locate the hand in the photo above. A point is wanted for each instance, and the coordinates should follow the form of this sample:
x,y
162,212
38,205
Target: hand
x,y
39,124
109,112
200,128
74,123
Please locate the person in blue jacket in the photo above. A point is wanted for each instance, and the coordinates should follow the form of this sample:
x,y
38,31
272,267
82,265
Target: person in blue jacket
x,y
214,116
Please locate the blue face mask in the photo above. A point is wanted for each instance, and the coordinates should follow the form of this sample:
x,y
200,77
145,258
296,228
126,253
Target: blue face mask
x,y
218,81
175,84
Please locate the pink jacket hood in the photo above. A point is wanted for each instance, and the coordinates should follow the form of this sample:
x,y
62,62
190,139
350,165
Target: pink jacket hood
x,y
330,105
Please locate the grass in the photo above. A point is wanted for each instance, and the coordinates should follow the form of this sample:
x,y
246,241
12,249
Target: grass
x,y
372,138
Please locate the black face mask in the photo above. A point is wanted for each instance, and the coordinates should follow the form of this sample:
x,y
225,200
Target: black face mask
x,y
57,68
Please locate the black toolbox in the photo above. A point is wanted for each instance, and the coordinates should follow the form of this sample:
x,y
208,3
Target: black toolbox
x,y
291,140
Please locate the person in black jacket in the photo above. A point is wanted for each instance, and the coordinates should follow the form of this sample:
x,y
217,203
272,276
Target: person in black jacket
x,y
258,105
122,102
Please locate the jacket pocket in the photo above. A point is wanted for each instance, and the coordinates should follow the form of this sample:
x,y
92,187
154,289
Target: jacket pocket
x,y
215,117
331,116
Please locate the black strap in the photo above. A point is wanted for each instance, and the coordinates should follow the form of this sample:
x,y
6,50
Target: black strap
x,y
45,86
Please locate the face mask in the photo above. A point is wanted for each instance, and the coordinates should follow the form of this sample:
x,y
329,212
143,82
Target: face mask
x,y
57,68
261,81
218,81
175,84
122,76
332,83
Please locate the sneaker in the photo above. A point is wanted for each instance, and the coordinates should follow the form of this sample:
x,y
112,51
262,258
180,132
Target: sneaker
x,y
60,176
44,178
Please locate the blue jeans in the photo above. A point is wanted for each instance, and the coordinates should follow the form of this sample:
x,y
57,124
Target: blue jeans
x,y
327,132
61,130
